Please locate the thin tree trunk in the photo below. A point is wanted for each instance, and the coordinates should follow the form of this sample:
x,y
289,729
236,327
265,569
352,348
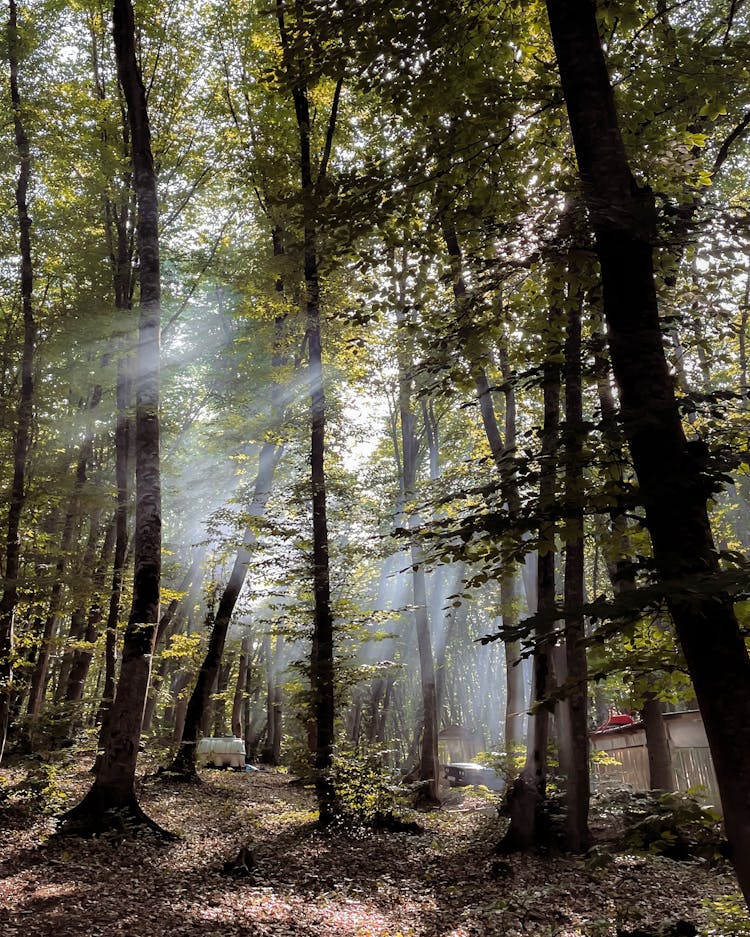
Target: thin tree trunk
x,y
742,336
620,571
429,771
322,653
40,674
220,704
271,753
515,691
168,623
448,617
122,452
183,765
180,682
502,454
24,416
526,799
71,688
660,768
669,472
253,719
578,789
239,690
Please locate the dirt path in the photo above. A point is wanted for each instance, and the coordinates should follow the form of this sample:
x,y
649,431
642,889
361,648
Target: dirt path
x,y
443,883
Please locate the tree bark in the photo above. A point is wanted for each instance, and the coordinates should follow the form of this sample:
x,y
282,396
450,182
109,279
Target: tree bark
x,y
24,415
673,489
322,652
527,828
577,790
113,791
619,569
515,690
271,753
80,659
122,452
40,674
220,704
428,770
169,622
504,459
239,690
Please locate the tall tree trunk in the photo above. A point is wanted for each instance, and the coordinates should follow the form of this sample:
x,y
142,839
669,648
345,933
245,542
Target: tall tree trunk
x,y
220,704
169,622
83,626
449,617
429,770
503,457
660,767
322,653
271,753
669,472
183,765
180,683
526,799
122,452
120,216
22,435
82,658
620,571
515,690
577,790
742,335
113,791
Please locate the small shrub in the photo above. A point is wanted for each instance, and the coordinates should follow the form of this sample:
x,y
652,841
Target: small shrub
x,y
507,764
39,792
366,791
673,825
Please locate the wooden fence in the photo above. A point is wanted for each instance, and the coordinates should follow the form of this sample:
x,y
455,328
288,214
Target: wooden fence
x,y
624,760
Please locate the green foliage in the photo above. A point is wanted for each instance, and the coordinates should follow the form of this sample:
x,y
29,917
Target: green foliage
x,y
726,915
366,790
507,764
674,825
186,648
40,791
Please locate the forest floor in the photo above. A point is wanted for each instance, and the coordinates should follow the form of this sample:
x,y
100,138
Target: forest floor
x,y
445,882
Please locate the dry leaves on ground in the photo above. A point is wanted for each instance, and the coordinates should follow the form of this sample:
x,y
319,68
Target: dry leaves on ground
x,y
443,883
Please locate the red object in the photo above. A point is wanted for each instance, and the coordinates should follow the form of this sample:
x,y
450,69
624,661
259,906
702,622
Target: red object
x,y
621,719
616,719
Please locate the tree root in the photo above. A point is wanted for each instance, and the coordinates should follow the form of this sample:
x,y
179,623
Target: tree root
x,y
94,816
183,768
177,774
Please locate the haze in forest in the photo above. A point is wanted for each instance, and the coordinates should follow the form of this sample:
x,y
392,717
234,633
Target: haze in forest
x,y
375,394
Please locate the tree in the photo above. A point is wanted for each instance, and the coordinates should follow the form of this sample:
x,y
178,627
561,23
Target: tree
x,y
113,793
296,68
528,826
673,486
22,435
428,771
